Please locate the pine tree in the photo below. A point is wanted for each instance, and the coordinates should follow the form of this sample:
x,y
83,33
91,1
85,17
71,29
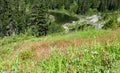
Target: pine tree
x,y
1,15
103,5
83,6
6,15
39,19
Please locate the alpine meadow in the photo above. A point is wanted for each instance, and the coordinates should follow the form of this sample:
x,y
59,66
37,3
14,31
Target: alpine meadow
x,y
59,36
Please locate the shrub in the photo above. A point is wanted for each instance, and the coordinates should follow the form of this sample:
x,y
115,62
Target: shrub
x,y
92,11
111,22
27,54
55,28
73,8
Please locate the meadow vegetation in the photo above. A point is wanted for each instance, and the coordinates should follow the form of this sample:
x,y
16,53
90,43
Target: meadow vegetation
x,y
59,36
71,53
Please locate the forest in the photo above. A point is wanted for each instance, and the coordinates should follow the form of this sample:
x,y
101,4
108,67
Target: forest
x,y
21,16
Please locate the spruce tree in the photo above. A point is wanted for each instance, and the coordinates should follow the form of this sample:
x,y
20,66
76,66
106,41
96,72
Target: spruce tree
x,y
1,15
6,15
39,18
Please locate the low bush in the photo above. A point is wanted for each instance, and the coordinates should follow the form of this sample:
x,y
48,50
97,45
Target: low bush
x,y
111,21
55,28
26,54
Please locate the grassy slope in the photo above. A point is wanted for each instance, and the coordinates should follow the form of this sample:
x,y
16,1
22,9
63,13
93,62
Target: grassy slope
x,y
80,34
73,58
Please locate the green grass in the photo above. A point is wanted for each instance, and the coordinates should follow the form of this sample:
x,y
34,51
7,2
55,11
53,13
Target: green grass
x,y
58,36
84,60
75,58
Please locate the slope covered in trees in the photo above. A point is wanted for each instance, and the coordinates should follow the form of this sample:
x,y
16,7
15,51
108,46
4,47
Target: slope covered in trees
x,y
19,16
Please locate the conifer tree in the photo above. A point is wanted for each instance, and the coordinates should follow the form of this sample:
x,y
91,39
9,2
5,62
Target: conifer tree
x,y
39,18
1,15
5,19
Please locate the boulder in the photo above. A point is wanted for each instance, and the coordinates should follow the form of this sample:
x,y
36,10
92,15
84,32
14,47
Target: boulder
x,y
93,19
99,26
118,19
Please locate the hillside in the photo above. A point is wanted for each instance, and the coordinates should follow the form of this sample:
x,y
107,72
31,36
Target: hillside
x,y
59,36
84,51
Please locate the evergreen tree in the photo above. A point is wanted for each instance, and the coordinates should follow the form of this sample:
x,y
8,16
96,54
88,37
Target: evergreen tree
x,y
6,19
103,5
113,4
83,6
1,16
39,20
15,14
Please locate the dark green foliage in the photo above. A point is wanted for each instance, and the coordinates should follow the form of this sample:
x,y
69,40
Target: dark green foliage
x,y
111,21
63,18
39,19
108,24
55,28
15,14
27,54
84,5
13,17
18,16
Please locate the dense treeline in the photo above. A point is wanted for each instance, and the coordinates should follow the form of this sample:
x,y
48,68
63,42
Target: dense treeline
x,y
19,16
82,6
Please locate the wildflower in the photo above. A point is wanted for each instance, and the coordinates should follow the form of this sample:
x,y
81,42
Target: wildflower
x,y
94,52
86,50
